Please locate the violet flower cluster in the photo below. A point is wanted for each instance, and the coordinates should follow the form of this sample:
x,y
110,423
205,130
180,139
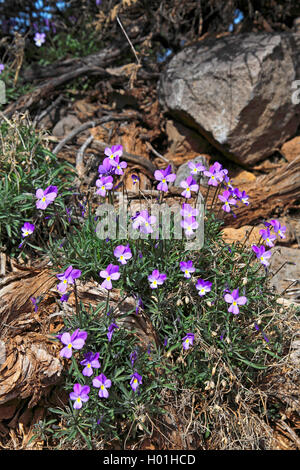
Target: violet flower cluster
x,y
269,235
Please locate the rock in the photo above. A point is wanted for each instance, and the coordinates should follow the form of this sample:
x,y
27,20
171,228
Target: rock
x,y
184,171
289,272
184,143
237,92
65,125
243,177
231,235
291,149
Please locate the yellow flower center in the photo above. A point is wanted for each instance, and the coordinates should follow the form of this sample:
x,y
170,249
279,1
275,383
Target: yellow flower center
x,y
89,366
188,189
234,303
121,257
163,180
44,199
102,187
268,240
69,345
186,271
78,400
26,233
135,381
147,223
187,340
154,283
202,290
102,387
261,258
112,156
108,278
65,281
212,177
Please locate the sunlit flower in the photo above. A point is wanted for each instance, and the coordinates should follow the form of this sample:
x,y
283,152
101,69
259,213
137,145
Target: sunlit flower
x,y
188,340
136,380
189,185
156,279
203,287
79,395
164,177
27,229
76,341
67,277
90,361
45,197
187,267
235,300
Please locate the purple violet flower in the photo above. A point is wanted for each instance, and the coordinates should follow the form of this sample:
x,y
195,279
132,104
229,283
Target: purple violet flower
x,y
123,253
66,278
45,197
262,254
111,330
118,166
136,380
1,68
244,198
79,394
106,167
227,200
91,361
133,357
164,177
189,224
267,236
215,174
76,341
234,299
188,340
143,221
65,297
188,211
203,287
105,183
35,303
103,384
111,273
27,229
39,39
187,267
196,168
135,179
114,151
156,279
278,228
189,185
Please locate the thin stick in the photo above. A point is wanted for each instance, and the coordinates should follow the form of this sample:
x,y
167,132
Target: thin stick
x,y
283,292
130,43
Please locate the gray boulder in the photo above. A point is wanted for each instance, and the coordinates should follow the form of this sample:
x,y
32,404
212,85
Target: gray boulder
x,y
237,92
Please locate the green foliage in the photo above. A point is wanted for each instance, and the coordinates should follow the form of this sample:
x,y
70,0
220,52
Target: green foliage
x,y
78,43
26,165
